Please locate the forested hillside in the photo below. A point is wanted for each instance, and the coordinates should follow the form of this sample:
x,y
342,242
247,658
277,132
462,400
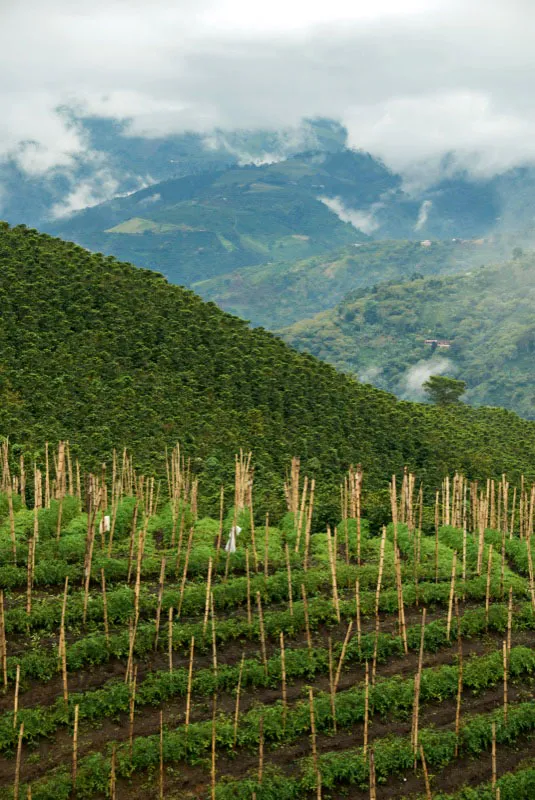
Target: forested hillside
x,y
108,355
486,316
278,294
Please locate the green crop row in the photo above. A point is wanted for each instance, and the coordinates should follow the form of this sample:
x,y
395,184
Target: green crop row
x,y
158,687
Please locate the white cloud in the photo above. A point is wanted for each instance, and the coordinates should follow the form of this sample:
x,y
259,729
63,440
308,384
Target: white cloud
x,y
362,220
410,386
412,79
423,214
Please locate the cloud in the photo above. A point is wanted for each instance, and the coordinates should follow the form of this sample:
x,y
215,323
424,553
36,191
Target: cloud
x,y
423,214
100,186
410,385
370,374
363,221
411,79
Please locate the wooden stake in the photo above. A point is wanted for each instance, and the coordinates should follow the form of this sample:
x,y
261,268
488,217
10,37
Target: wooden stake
x,y
190,680
428,794
452,594
105,606
366,707
207,602
493,755
436,535
459,689
332,561
248,577
75,748
260,748
266,548
213,764
17,765
331,682
113,780
357,599
262,633
283,678
373,790
16,698
509,620
342,655
237,708
505,668
401,609
161,755
307,621
289,571
185,571
159,606
487,593
3,641
313,742
417,683
132,706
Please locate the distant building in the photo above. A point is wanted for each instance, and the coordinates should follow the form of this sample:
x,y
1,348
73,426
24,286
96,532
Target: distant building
x,y
443,344
426,243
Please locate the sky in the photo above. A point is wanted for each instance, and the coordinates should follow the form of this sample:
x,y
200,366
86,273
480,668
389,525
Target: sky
x,y
410,79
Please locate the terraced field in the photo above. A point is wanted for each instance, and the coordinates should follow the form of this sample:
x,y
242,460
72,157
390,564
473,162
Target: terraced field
x,y
140,658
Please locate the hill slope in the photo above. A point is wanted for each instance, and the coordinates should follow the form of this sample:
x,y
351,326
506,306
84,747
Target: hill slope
x,y
278,294
109,355
486,315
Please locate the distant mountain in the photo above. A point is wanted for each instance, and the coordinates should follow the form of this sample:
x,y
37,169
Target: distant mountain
x,y
205,225
278,294
483,319
114,162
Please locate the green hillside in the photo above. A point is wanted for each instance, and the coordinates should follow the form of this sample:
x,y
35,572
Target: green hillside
x,y
486,315
278,294
108,355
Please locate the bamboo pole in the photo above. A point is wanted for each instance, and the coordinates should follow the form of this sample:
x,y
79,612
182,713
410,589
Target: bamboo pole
x,y
237,707
366,707
161,782
113,779
3,641
459,686
207,601
213,762
436,535
190,680
373,789
331,682
309,524
417,684
332,562
289,571
260,748
170,640
357,602
307,621
75,748
509,620
426,775
505,669
452,594
487,593
16,697
313,742
248,578
342,655
131,710
159,606
266,548
17,765
105,607
283,678
185,571
401,609
493,755
262,632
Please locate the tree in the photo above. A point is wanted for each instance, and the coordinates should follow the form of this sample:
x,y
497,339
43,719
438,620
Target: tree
x,y
442,390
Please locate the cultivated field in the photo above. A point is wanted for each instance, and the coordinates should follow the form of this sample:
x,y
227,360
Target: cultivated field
x,y
140,658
